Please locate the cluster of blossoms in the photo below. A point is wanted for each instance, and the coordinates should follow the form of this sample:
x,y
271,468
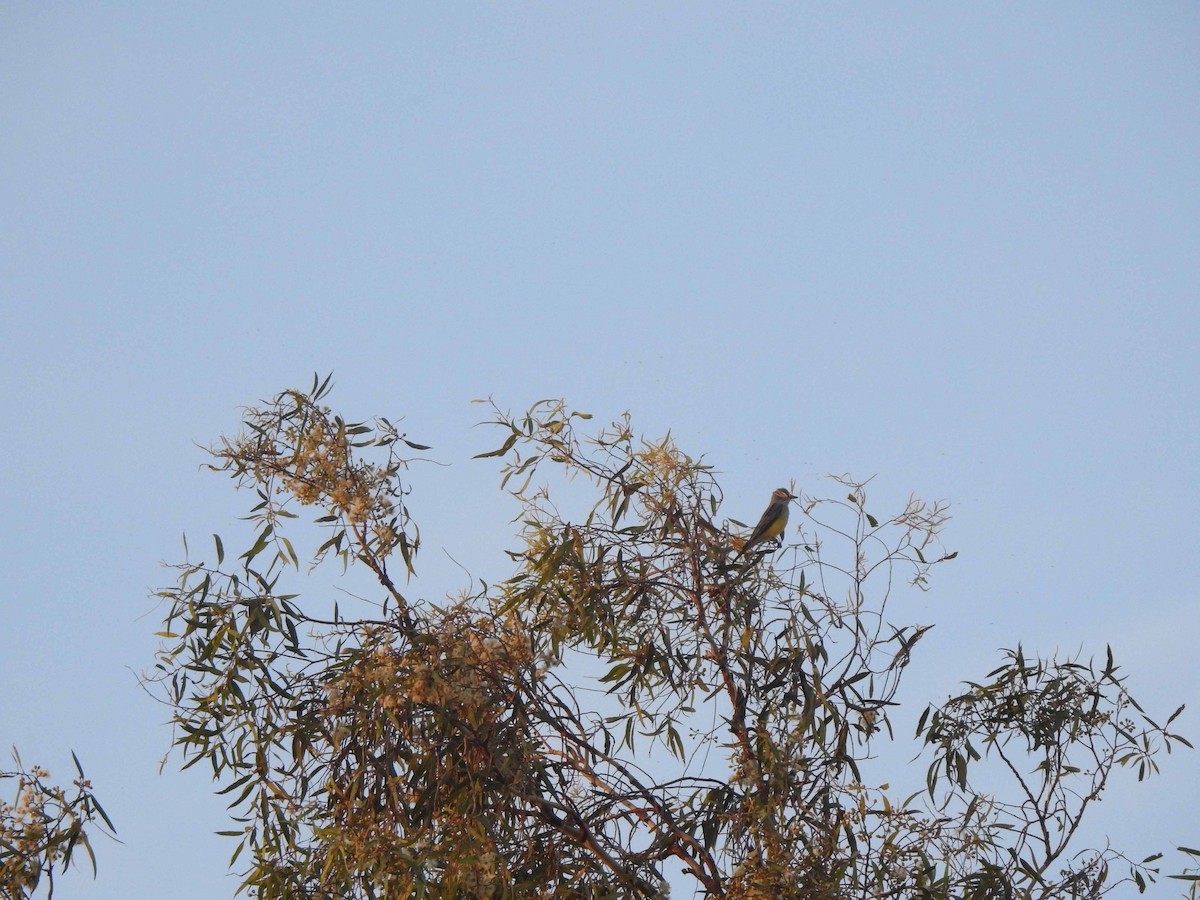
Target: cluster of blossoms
x,y
459,672
322,467
23,824
29,827
446,703
309,454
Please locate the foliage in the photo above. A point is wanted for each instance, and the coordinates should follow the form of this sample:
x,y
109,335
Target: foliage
x,y
634,701
41,829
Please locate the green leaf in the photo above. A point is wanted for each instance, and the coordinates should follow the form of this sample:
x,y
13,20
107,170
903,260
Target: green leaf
x,y
290,551
675,742
504,448
259,545
104,815
921,721
616,672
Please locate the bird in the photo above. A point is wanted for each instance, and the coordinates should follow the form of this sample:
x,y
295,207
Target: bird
x,y
773,520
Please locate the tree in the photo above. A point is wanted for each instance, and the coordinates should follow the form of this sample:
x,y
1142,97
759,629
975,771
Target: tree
x,y
633,701
42,827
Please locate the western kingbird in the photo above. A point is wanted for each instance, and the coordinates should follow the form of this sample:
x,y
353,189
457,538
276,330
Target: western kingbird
x,y
773,520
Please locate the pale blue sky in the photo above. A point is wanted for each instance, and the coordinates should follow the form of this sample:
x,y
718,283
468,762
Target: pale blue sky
x,y
952,245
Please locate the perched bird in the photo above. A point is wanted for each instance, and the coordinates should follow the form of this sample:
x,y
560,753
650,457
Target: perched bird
x,y
773,520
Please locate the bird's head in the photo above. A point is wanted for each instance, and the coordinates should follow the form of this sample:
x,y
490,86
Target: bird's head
x,y
782,494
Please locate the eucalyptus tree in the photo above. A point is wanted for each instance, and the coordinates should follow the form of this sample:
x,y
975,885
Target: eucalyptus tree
x,y
635,703
44,826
